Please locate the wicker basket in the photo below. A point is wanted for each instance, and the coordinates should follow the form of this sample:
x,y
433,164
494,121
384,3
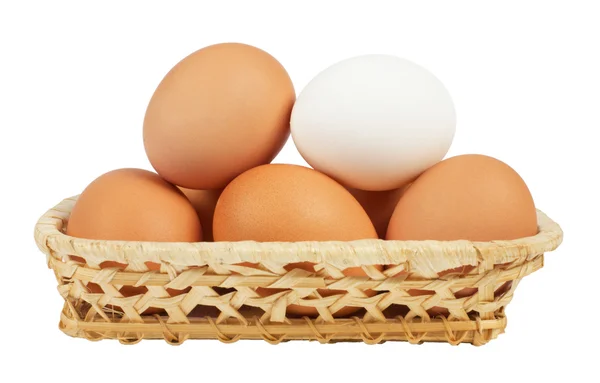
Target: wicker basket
x,y
220,301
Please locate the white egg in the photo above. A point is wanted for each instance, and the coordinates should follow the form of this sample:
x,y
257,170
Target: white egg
x,y
373,122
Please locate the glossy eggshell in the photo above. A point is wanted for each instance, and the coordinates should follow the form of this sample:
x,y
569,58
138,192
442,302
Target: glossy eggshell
x,y
220,111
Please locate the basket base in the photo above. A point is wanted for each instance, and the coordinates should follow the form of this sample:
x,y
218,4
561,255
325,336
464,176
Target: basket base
x,y
475,331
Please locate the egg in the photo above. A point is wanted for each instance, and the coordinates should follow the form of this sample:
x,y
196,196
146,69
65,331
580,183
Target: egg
x,y
379,205
468,197
471,197
219,111
373,122
133,205
289,203
204,201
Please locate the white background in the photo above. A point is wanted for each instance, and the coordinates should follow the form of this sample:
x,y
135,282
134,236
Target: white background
x,y
75,79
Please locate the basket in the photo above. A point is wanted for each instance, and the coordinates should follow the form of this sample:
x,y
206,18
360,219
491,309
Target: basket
x,y
218,300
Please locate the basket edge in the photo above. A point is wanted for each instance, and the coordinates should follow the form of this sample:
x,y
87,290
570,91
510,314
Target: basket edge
x,y
428,257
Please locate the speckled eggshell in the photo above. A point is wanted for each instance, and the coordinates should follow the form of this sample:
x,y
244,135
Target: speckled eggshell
x,y
289,203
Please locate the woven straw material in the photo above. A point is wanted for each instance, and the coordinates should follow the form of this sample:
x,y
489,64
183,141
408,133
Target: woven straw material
x,y
219,298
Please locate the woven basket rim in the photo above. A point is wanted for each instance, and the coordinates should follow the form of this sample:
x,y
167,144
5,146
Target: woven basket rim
x,y
426,257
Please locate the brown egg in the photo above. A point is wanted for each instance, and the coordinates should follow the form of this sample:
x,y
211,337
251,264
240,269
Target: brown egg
x,y
379,205
133,205
204,202
220,111
291,203
471,197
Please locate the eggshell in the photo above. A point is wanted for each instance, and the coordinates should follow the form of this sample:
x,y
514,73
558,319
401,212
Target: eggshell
x,y
133,205
379,205
373,122
220,111
471,197
204,201
288,203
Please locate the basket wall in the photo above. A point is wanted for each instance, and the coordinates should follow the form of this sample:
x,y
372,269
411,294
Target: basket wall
x,y
202,292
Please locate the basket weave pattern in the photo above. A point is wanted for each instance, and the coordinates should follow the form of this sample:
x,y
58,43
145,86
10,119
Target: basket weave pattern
x,y
219,298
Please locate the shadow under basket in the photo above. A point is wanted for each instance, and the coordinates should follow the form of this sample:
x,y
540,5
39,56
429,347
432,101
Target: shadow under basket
x,y
201,291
